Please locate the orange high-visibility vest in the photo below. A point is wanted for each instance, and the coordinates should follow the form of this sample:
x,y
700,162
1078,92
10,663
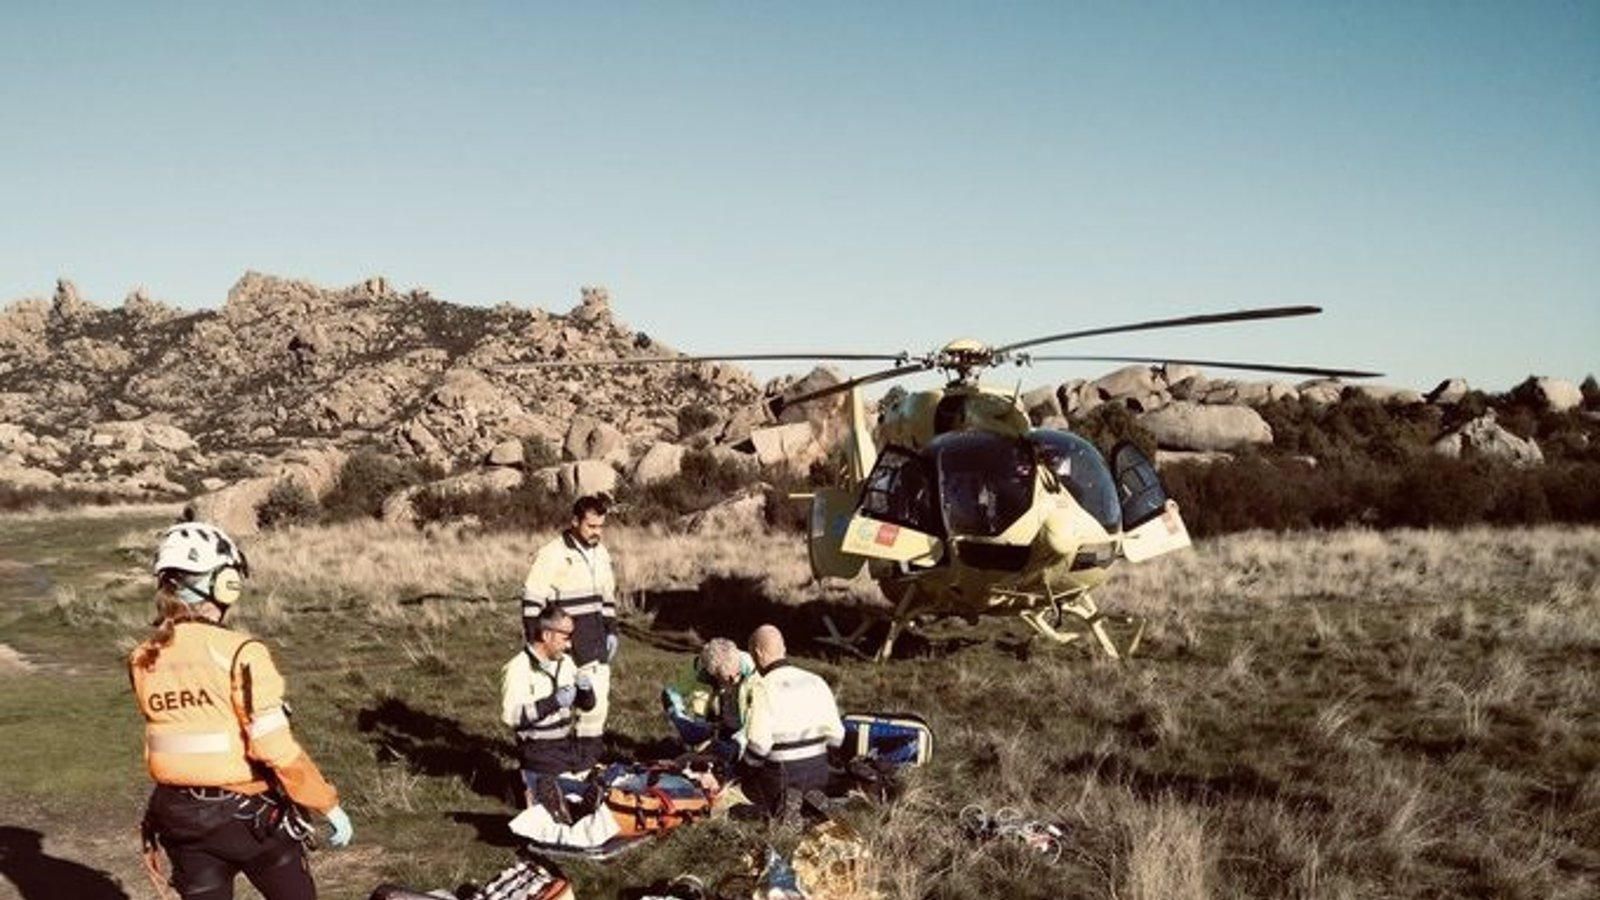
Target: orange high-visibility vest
x,y
215,717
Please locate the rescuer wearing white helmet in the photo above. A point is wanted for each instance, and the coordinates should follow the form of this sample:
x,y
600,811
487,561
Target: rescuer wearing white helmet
x,y
230,778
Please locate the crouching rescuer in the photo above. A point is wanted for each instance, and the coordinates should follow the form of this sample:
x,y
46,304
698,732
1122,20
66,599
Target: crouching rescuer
x,y
541,693
572,573
793,723
231,781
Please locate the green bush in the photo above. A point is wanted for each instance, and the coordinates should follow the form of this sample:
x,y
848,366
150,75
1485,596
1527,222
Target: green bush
x,y
17,499
289,502
1424,491
528,507
704,481
693,417
1109,423
365,481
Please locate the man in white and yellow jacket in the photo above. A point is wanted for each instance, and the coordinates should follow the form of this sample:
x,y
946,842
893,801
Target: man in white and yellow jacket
x,y
572,573
229,773
541,693
793,723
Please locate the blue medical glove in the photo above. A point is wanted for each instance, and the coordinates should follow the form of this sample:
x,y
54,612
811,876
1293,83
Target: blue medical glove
x,y
611,648
584,682
340,831
566,695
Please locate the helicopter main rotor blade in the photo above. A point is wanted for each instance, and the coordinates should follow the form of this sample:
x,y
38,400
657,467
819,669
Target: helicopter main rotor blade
x,y
1243,315
667,360
1216,364
779,404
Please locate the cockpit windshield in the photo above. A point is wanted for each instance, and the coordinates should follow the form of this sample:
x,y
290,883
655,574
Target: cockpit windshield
x,y
985,481
1083,470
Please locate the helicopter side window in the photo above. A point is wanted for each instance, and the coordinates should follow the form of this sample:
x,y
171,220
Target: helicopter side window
x,y
1079,466
899,490
985,481
1143,496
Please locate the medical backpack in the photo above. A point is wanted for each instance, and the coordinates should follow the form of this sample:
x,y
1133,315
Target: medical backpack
x,y
901,739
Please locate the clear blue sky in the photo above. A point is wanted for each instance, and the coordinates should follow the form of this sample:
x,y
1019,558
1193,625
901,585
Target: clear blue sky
x,y
842,176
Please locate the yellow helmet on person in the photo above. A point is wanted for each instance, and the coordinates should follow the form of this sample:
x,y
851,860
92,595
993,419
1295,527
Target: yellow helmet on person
x,y
202,562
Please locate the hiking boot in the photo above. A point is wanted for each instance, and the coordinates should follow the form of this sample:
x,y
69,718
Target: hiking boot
x,y
817,803
594,795
547,793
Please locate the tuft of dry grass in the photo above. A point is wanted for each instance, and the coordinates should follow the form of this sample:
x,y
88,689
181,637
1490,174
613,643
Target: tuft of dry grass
x,y
1169,857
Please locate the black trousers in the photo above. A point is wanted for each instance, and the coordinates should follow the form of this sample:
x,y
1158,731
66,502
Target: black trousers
x,y
213,841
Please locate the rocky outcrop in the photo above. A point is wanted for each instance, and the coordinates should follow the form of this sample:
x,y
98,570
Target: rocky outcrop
x,y
1448,392
590,438
1191,426
284,360
660,462
1483,436
794,446
587,476
740,514
1554,394
234,507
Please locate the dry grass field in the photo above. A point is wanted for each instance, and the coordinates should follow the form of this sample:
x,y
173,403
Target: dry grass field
x,y
1329,714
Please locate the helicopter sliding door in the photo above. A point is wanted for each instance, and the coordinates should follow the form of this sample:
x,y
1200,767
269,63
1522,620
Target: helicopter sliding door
x,y
898,518
1150,521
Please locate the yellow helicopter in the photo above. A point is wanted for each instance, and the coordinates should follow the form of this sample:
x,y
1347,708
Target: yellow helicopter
x,y
968,510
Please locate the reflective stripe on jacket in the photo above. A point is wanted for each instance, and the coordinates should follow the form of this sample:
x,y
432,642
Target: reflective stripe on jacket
x,y
215,716
577,580
695,695
793,719
528,685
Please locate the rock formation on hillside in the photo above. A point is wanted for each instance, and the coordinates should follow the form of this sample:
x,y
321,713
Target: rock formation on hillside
x,y
286,378
145,399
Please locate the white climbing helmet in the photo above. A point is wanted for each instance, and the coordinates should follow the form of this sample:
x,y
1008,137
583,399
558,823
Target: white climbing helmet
x,y
195,548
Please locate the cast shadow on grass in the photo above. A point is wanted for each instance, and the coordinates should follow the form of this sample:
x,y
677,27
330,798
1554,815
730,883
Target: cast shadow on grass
x,y
438,746
493,828
733,606
627,748
39,876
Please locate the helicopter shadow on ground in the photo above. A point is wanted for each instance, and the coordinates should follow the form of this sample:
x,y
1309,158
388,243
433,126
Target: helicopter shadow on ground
x,y
733,606
438,746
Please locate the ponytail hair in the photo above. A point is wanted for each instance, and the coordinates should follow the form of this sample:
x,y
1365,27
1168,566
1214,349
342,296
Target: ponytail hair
x,y
169,612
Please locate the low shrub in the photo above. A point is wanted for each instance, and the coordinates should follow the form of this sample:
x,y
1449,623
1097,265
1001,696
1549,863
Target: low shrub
x,y
528,507
367,478
289,502
693,417
18,499
1282,494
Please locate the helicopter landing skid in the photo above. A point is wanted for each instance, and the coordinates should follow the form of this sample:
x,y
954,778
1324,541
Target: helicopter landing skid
x,y
849,643
845,642
1086,614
